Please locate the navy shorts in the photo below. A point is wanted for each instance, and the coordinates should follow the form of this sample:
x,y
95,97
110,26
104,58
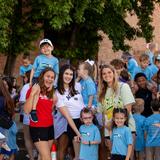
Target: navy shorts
x,y
41,133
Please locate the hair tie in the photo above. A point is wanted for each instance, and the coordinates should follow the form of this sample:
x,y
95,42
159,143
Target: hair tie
x,y
91,62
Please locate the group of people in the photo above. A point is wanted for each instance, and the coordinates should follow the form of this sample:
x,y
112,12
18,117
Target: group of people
x,y
70,108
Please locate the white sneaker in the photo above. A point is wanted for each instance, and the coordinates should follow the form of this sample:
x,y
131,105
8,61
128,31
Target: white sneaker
x,y
2,136
6,147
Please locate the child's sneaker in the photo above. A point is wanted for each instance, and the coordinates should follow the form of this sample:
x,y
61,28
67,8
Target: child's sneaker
x,y
6,147
2,136
33,116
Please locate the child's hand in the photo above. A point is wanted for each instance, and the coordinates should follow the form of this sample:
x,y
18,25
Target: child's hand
x,y
85,142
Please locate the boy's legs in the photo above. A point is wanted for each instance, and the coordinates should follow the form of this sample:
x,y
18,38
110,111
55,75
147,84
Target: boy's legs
x,y
149,153
157,153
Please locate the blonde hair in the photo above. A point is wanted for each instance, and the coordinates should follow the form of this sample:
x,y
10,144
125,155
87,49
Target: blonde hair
x,y
103,86
138,107
143,57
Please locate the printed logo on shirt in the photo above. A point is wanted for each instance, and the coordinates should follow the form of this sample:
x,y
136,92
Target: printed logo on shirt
x,y
85,133
117,135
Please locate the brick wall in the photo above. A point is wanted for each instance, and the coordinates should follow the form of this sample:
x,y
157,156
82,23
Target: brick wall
x,y
105,53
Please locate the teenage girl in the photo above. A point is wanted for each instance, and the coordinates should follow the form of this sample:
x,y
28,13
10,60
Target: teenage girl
x,y
121,136
85,72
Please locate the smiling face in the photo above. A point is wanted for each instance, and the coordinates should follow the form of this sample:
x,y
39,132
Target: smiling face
x,y
49,79
67,76
107,75
119,119
46,49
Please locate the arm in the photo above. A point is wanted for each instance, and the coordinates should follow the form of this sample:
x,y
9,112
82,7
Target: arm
x,y
31,76
90,101
129,152
66,114
91,142
33,99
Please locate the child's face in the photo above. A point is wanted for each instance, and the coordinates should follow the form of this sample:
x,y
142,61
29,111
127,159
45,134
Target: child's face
x,y
81,70
141,82
26,62
119,119
67,76
87,118
46,49
144,64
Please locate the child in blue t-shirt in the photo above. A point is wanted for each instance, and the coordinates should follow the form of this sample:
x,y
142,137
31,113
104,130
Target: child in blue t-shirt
x,y
153,132
44,60
143,67
138,108
89,93
90,136
121,136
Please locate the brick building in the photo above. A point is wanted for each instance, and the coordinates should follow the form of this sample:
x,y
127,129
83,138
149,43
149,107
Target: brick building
x,y
105,53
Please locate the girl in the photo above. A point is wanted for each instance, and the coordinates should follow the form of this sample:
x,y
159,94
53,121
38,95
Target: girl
x,y
7,109
42,94
121,136
69,95
85,72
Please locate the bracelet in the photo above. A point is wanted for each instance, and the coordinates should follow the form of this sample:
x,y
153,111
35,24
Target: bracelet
x,y
89,143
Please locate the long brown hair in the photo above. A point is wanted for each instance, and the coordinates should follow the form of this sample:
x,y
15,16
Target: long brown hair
x,y
103,86
44,89
9,104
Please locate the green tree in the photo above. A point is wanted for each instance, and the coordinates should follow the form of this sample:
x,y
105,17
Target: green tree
x,y
73,25
17,31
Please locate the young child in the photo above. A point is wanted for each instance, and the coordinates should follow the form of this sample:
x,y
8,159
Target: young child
x,y
90,136
153,132
85,72
138,108
144,93
130,62
143,67
121,136
27,66
44,60
3,144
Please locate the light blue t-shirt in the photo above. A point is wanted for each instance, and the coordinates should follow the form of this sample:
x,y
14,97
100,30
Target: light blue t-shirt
x,y
147,71
132,63
88,89
89,133
121,137
140,142
153,68
151,57
153,132
42,61
23,69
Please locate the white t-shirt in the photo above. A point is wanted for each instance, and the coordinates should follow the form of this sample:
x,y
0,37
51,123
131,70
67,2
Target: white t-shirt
x,y
74,104
23,93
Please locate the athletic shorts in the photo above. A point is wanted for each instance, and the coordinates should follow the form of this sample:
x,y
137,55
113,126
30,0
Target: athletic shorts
x,y
41,133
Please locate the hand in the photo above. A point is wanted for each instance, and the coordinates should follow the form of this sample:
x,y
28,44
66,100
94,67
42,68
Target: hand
x,y
157,124
77,138
85,142
35,90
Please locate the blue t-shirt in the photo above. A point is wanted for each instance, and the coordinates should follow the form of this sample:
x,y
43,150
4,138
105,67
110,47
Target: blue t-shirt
x,y
132,63
140,143
153,132
121,137
23,69
89,133
151,57
88,89
42,61
147,71
153,68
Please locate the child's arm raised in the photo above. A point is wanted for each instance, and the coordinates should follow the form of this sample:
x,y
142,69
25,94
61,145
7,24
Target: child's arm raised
x,y
31,76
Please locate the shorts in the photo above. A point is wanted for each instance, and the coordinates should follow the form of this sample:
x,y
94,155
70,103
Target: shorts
x,y
117,157
71,134
41,133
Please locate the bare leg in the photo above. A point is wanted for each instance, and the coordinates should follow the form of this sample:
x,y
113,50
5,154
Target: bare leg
x,y
28,141
76,147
